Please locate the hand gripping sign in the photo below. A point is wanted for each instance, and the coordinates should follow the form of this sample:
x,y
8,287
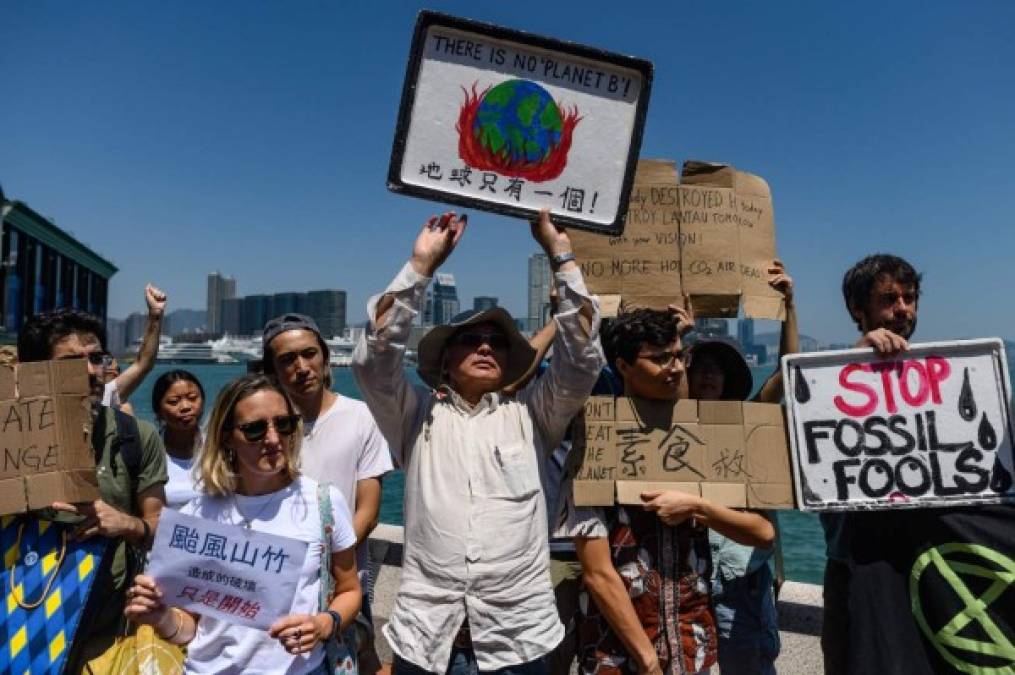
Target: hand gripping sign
x,y
238,575
930,427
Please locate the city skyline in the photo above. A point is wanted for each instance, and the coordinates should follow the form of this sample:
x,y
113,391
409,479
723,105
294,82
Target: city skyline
x,y
170,138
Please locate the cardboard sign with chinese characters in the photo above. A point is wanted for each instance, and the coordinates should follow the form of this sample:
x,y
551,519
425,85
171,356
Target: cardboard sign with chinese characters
x,y
710,236
238,575
511,122
45,430
930,427
730,452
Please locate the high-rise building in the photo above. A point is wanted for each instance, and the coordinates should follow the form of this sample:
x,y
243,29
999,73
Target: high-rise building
x,y
328,309
712,327
257,309
539,290
219,288
745,333
445,299
232,310
483,302
116,336
287,303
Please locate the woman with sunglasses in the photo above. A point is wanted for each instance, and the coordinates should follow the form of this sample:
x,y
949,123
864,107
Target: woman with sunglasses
x,y
178,403
248,475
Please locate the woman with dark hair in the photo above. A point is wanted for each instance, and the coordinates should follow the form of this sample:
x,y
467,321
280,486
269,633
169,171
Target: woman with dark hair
x,y
248,475
742,583
178,402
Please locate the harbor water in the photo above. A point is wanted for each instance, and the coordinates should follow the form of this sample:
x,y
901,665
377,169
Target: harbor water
x,y
803,541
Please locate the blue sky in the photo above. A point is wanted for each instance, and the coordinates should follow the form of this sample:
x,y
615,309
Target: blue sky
x,y
179,138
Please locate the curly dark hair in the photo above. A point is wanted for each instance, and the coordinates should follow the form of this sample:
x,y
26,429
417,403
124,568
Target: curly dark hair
x,y
624,336
41,332
859,280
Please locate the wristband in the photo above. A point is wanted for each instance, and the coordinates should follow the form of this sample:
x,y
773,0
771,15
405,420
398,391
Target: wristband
x,y
147,533
336,630
559,260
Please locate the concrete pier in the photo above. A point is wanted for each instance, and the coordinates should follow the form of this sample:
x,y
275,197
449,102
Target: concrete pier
x,y
799,607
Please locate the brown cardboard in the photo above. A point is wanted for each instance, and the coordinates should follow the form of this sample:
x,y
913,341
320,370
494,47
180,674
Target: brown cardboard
x,y
641,266
709,234
45,427
727,234
730,452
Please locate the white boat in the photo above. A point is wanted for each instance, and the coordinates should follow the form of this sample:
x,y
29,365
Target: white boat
x,y
185,352
236,348
340,349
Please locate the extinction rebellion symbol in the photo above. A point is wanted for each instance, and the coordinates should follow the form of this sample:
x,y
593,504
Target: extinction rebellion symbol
x,y
984,648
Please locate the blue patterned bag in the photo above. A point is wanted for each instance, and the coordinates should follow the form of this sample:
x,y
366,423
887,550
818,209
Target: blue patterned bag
x,y
47,580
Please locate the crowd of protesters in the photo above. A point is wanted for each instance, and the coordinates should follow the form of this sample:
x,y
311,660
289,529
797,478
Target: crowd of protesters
x,y
502,573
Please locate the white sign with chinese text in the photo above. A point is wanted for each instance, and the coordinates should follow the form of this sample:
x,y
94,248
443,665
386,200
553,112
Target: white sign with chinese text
x,y
929,427
226,571
511,122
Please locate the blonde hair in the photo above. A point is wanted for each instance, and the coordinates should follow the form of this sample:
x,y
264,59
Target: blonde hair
x,y
215,473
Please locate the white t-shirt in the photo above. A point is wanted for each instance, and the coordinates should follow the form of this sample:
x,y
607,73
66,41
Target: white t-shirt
x,y
111,395
221,647
180,487
343,446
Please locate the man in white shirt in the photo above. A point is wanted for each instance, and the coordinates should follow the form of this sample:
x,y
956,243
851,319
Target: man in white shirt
x,y
475,590
342,444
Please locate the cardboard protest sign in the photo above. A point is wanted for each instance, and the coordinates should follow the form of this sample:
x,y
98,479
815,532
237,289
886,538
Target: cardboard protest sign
x,y
730,452
710,236
511,122
237,575
45,429
929,428
643,263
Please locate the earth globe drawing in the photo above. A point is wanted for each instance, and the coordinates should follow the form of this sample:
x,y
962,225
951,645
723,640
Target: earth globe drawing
x,y
516,128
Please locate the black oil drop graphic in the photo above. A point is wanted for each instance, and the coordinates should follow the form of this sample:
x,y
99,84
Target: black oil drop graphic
x,y
967,405
987,436
800,389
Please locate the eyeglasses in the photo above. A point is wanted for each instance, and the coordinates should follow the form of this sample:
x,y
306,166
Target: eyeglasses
x,y
285,425
496,341
104,359
667,359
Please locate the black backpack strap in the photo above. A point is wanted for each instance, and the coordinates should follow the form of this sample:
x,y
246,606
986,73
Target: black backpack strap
x,y
128,444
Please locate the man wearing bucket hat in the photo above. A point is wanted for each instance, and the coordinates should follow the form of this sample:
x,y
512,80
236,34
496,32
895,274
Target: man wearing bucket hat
x,y
475,590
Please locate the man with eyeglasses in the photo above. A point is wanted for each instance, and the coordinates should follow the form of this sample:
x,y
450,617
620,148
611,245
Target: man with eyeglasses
x,y
647,570
130,464
342,445
475,590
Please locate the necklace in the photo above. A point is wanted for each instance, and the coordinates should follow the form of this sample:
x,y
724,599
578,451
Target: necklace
x,y
247,522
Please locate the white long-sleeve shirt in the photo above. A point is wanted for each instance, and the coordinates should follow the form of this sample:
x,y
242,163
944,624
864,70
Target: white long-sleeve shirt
x,y
475,515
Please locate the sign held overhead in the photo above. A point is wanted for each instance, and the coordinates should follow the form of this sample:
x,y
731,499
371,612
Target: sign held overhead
x,y
510,122
711,237
931,427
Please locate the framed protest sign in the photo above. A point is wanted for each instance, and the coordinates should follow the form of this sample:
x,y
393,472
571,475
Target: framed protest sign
x,y
510,122
238,575
931,427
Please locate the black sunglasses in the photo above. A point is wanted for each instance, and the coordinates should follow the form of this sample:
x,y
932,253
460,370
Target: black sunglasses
x,y
474,340
256,430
